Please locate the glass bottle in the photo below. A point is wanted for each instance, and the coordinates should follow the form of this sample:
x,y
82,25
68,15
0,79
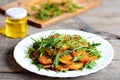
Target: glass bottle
x,y
16,22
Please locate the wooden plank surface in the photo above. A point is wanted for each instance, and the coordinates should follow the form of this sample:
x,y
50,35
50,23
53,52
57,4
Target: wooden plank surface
x,y
28,4
105,17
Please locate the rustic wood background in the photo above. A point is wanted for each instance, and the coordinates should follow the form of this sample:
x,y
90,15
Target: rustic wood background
x,y
27,4
105,18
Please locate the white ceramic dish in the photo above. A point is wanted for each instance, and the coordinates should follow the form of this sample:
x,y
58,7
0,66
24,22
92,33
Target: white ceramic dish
x,y
21,48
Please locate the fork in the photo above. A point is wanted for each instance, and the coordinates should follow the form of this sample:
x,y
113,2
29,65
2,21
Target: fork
x,y
84,27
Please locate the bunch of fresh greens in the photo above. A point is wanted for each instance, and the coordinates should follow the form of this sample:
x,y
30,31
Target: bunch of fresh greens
x,y
52,9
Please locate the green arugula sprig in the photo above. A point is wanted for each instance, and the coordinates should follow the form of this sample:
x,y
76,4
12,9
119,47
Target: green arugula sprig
x,y
89,65
56,60
93,50
76,58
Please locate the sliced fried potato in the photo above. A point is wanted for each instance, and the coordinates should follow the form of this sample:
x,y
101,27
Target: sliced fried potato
x,y
65,47
92,58
75,66
46,66
67,57
50,52
85,59
44,60
65,61
33,55
62,68
75,53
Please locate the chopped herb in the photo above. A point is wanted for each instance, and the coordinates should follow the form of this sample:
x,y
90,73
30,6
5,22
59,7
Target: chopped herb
x,y
76,58
66,52
34,8
30,49
79,48
51,9
35,61
94,44
64,71
27,56
90,65
76,6
93,50
56,61
40,66
28,14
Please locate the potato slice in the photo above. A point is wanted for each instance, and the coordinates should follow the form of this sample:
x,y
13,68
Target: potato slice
x,y
67,57
62,68
92,58
65,61
75,66
44,60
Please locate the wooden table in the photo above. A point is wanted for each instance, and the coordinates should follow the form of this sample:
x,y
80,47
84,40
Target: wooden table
x,y
105,17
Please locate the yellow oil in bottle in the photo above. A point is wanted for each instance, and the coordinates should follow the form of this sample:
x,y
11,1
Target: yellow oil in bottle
x,y
16,22
16,28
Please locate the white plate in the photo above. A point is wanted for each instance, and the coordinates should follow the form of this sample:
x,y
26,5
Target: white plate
x,y
21,48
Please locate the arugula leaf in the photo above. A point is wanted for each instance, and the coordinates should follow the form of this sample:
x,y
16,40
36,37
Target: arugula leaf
x,y
42,14
77,6
90,65
34,8
56,60
95,52
76,58
64,71
79,48
27,56
28,14
66,52
94,44
35,61
40,66
30,50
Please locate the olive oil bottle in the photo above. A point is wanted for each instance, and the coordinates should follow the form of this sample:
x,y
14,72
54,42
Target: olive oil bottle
x,y
16,23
